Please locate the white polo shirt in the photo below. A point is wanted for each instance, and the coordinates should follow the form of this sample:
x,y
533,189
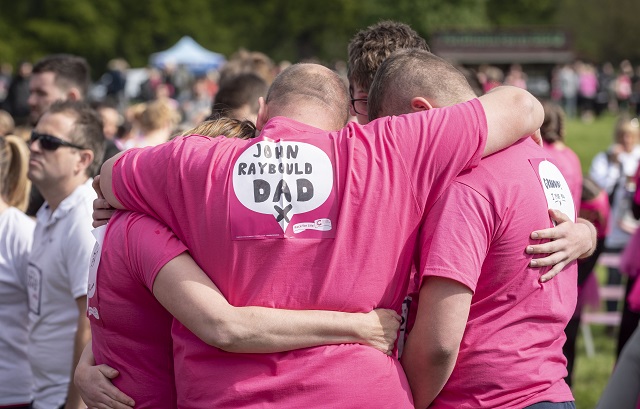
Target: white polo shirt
x,y
15,245
57,275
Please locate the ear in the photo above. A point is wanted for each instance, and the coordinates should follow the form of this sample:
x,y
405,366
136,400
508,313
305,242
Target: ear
x,y
86,158
263,114
74,94
420,104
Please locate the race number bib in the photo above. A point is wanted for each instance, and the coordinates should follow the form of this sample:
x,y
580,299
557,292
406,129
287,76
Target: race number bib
x,y
555,187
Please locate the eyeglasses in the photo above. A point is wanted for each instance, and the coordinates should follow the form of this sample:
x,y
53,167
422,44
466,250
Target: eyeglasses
x,y
49,142
359,105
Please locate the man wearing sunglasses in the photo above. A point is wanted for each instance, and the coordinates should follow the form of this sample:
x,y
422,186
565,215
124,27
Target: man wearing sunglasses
x,y
67,146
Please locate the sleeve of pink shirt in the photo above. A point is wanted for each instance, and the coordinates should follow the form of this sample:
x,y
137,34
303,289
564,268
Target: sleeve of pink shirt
x,y
144,180
456,236
150,245
438,144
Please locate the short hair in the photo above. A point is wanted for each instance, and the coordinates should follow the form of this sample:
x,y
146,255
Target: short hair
x,y
70,71
410,73
228,127
244,61
371,46
236,92
14,164
157,114
7,124
552,129
87,129
306,82
625,124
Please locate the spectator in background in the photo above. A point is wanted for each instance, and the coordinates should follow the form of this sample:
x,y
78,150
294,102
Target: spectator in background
x,y
15,246
245,61
569,85
6,71
623,87
594,206
613,170
7,125
491,77
516,77
238,97
115,81
58,77
196,105
147,90
635,92
605,98
67,146
623,389
110,122
153,125
553,132
588,87
16,101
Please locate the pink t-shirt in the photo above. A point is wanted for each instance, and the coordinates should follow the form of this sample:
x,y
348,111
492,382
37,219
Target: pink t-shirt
x,y
511,352
597,212
131,331
301,218
569,164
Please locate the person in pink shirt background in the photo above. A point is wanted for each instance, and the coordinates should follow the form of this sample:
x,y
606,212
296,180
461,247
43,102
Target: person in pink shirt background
x,y
486,215
373,268
553,132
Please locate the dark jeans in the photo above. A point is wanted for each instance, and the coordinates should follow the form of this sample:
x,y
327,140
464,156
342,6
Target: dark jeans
x,y
552,405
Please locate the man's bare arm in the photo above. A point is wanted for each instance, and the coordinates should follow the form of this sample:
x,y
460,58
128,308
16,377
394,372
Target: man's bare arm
x,y
185,291
511,113
106,177
82,338
432,346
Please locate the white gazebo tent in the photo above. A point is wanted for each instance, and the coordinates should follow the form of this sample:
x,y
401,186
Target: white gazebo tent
x,y
189,53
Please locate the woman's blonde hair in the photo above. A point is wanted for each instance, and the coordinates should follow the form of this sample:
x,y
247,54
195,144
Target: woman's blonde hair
x,y
14,164
231,128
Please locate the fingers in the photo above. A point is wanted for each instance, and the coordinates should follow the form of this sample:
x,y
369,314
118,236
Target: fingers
x,y
102,212
552,273
558,217
96,186
101,203
108,371
546,248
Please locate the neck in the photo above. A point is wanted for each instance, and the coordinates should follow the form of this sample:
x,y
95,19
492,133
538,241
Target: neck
x,y
3,206
313,115
54,195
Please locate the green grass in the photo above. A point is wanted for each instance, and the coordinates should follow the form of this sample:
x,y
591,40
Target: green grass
x,y
592,373
587,139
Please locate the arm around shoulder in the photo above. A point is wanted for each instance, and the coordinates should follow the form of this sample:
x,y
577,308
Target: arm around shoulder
x,y
432,346
106,178
511,114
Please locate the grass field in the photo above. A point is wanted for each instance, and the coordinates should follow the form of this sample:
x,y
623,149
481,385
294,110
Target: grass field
x,y
592,373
